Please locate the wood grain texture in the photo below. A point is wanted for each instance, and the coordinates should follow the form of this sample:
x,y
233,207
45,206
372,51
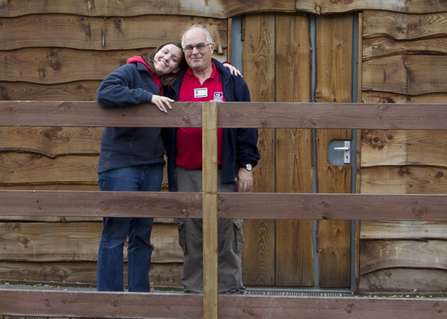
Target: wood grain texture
x,y
327,7
258,267
258,56
294,259
78,304
99,33
36,168
68,219
67,304
58,242
331,308
62,66
406,74
404,280
404,180
231,205
334,237
72,186
210,8
51,141
333,206
419,116
334,42
294,245
386,97
101,204
338,115
404,147
84,304
357,172
403,62
294,241
210,210
67,273
50,219
388,229
384,46
47,65
72,113
382,254
73,91
403,26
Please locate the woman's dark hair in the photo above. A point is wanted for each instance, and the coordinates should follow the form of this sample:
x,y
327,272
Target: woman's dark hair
x,y
167,79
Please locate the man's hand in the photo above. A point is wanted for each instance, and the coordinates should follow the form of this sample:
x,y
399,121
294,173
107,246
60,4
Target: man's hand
x,y
162,102
244,180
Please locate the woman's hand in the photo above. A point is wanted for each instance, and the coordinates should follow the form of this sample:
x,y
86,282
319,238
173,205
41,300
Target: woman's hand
x,y
162,102
232,69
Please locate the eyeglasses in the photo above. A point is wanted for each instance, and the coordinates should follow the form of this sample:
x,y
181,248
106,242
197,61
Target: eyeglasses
x,y
200,47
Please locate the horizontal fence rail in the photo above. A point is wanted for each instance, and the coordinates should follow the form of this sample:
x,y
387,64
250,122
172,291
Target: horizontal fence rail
x,y
230,205
221,205
138,305
230,114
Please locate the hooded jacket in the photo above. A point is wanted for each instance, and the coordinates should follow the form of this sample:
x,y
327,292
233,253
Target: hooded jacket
x,y
239,144
130,84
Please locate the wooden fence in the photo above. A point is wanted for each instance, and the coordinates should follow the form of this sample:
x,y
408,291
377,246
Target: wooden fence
x,y
209,116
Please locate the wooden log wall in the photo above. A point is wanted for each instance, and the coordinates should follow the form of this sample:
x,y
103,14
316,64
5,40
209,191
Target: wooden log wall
x,y
61,52
57,50
404,61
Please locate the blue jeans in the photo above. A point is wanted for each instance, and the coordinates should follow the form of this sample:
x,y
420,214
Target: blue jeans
x,y
116,230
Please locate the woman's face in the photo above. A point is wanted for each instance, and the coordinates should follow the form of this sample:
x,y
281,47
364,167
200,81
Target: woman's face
x,y
167,60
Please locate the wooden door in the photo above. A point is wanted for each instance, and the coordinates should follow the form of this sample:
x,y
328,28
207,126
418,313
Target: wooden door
x,y
277,60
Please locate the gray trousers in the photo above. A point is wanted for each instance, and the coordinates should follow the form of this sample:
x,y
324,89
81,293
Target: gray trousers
x,y
230,241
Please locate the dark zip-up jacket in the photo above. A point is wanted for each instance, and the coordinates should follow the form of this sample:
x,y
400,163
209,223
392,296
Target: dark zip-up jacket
x,y
130,84
239,144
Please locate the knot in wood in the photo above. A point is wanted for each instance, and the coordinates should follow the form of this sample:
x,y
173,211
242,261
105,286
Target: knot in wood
x,y
420,211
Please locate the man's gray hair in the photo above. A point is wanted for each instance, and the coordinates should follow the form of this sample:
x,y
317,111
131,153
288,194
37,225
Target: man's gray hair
x,y
198,25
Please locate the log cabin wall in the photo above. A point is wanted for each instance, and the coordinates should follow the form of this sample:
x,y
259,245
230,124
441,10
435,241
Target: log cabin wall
x,y
60,50
404,61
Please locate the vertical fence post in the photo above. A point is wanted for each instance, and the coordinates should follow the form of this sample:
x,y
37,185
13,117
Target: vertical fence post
x,y
209,180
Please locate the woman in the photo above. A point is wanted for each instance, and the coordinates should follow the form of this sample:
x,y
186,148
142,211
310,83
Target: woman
x,y
131,159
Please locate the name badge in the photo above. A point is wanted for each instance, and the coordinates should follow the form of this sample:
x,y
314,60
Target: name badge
x,y
198,93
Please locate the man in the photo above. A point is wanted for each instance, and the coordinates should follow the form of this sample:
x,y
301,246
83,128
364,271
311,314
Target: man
x,y
204,80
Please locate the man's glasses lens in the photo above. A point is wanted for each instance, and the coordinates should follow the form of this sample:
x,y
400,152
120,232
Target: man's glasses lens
x,y
199,47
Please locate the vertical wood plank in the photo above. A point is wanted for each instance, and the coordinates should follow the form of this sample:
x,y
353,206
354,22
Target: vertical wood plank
x,y
358,151
294,246
209,180
334,58
258,254
229,45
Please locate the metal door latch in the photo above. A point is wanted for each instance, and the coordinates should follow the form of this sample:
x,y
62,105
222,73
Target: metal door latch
x,y
347,154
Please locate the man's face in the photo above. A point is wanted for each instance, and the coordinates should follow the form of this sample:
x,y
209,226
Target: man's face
x,y
198,60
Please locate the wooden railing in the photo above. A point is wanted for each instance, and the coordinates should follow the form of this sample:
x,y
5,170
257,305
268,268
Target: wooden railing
x,y
216,205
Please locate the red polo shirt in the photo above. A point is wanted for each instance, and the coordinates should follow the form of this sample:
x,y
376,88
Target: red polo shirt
x,y
189,140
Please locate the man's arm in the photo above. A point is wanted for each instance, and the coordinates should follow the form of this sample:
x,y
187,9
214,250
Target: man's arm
x,y
247,145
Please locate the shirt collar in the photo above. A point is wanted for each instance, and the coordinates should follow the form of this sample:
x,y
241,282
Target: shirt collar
x,y
214,74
